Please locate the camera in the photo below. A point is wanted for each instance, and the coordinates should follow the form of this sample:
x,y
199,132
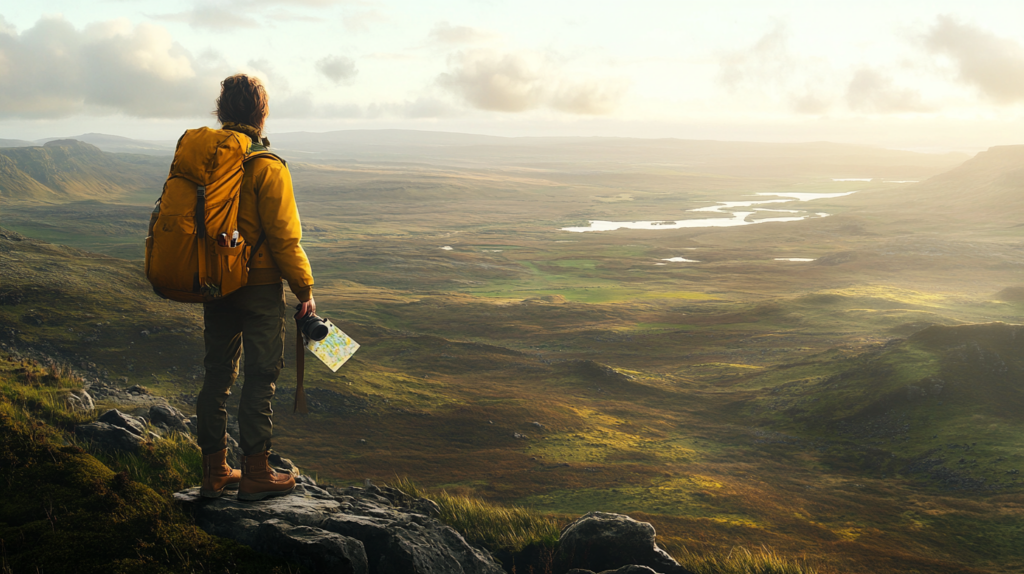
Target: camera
x,y
313,327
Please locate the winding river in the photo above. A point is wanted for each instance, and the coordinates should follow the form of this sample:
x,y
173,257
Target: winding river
x,y
740,217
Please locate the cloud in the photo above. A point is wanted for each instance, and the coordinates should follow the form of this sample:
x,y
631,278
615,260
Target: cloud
x,y
520,81
445,33
223,15
589,98
496,82
768,71
993,65
765,61
337,69
211,18
871,91
363,21
55,70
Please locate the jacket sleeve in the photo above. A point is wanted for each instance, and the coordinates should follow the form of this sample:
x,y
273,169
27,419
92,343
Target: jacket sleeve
x,y
279,218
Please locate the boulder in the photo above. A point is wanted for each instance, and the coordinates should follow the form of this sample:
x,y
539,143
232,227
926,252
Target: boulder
x,y
234,457
630,569
232,427
311,547
169,417
280,463
601,541
80,400
134,425
395,537
108,437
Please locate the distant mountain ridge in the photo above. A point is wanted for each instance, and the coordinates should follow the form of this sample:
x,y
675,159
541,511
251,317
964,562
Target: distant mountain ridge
x,y
986,189
825,159
68,170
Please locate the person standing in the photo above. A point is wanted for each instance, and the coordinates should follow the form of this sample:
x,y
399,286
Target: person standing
x,y
252,318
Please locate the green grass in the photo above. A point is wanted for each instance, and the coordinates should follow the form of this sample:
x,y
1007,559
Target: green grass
x,y
65,511
495,527
741,560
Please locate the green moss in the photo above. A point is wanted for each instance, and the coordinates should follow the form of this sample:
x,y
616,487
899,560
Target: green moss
x,y
63,510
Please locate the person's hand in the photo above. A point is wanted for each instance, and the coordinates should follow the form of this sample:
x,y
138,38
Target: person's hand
x,y
306,308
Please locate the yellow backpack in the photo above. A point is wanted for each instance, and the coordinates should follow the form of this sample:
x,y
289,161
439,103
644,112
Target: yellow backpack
x,y
193,252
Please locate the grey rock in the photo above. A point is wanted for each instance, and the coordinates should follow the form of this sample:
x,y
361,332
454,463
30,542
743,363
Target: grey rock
x,y
108,437
232,428
632,569
234,454
396,538
311,547
193,424
222,513
80,400
602,541
277,461
168,416
134,425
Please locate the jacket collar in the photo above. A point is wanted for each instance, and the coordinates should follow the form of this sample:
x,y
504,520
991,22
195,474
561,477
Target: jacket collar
x,y
253,133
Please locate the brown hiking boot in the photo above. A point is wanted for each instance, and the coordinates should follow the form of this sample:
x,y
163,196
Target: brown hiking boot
x,y
260,481
217,475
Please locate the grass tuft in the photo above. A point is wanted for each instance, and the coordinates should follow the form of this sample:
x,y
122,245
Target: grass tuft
x,y
741,560
507,528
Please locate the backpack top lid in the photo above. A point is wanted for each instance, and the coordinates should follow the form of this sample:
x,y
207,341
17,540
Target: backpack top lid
x,y
205,155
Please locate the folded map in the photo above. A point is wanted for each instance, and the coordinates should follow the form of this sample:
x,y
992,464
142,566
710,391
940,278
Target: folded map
x,y
335,349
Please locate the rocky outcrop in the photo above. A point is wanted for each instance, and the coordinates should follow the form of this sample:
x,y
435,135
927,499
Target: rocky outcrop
x,y
368,531
108,437
317,549
603,542
169,418
80,400
132,424
631,569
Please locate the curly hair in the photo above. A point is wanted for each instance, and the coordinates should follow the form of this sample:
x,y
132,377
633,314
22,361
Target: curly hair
x,y
243,100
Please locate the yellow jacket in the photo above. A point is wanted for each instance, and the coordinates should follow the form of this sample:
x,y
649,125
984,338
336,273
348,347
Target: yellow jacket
x,y
267,204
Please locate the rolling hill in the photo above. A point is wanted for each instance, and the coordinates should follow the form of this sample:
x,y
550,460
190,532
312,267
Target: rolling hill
x,y
985,191
69,170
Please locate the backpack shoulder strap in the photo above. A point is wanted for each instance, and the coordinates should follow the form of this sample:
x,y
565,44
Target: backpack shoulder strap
x,y
256,151
260,151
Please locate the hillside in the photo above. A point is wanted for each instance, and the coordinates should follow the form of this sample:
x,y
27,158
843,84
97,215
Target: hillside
x,y
986,191
68,170
723,425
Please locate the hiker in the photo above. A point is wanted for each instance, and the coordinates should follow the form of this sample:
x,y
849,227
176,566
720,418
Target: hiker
x,y
252,318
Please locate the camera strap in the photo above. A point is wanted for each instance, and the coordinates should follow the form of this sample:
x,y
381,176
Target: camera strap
x,y
300,368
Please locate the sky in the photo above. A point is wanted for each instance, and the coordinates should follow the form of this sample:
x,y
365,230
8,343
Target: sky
x,y
929,76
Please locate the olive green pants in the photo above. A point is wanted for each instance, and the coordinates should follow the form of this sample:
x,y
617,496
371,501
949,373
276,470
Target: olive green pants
x,y
252,319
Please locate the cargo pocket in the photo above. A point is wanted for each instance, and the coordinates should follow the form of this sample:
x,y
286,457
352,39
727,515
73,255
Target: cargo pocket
x,y
174,254
231,273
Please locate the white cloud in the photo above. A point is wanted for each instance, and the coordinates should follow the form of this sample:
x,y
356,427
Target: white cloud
x,y
768,71
55,70
223,15
993,65
445,33
871,91
360,22
211,17
338,69
520,81
766,61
